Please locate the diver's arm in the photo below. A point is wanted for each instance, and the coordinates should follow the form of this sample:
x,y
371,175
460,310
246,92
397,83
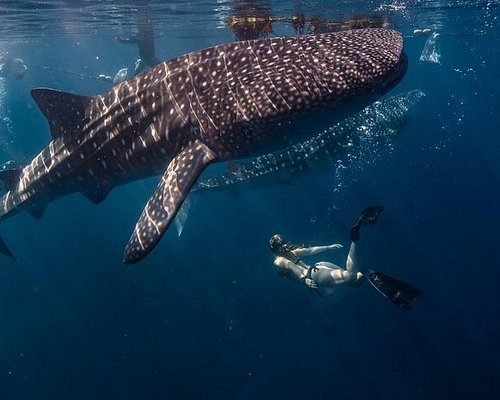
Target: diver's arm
x,y
309,251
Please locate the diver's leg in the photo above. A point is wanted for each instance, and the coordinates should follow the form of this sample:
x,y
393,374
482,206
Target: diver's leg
x,y
326,276
351,263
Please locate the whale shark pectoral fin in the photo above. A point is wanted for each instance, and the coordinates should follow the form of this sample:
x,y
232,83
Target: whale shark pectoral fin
x,y
183,214
6,251
160,211
37,210
96,194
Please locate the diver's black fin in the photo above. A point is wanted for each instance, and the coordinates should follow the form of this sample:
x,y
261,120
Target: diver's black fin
x,y
399,292
369,215
6,251
10,177
64,111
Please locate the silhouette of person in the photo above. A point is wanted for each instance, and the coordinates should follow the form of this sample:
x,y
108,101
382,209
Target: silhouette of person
x,y
145,41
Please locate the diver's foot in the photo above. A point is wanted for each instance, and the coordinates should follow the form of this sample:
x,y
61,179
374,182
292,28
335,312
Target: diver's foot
x,y
369,215
354,233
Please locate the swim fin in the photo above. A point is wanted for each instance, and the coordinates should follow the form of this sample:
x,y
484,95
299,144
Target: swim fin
x,y
399,292
368,217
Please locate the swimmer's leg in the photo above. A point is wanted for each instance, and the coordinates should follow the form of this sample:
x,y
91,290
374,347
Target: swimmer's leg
x,y
326,264
326,274
351,264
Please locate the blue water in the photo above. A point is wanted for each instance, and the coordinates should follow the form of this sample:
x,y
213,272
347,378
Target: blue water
x,y
205,315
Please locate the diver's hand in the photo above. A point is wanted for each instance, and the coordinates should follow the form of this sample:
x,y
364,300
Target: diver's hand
x,y
311,283
335,246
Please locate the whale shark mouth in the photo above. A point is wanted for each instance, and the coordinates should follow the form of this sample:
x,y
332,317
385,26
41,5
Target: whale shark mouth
x,y
398,73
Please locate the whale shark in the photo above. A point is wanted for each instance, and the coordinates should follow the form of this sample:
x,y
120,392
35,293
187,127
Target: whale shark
x,y
221,103
380,121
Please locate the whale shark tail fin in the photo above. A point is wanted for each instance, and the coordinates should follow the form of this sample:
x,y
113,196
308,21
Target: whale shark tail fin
x,y
9,177
4,249
399,292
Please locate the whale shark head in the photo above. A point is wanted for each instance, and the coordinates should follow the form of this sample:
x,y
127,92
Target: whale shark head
x,y
396,75
289,77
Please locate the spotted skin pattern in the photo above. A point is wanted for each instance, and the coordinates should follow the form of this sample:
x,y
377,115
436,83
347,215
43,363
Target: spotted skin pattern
x,y
215,104
381,120
162,206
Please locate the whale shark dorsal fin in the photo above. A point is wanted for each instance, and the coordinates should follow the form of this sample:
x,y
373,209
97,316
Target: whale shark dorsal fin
x,y
64,111
161,208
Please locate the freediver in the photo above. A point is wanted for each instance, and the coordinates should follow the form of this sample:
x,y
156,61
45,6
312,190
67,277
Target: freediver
x,y
328,275
145,41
